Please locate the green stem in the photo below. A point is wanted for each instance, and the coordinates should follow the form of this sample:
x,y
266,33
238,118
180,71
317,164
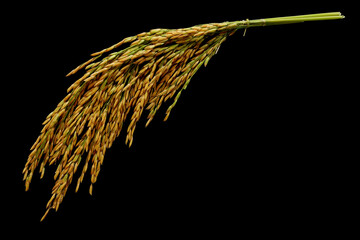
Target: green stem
x,y
290,19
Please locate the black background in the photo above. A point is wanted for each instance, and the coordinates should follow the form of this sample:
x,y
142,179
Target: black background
x,y
252,146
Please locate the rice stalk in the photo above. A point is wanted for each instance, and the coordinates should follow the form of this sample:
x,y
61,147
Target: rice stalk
x,y
156,66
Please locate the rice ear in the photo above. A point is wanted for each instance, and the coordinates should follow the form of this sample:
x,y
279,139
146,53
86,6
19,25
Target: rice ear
x,y
157,66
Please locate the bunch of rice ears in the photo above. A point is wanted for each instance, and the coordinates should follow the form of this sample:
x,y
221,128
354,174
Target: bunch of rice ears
x,y
155,67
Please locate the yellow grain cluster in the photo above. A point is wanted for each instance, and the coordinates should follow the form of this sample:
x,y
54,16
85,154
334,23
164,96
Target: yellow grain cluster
x,y
155,67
